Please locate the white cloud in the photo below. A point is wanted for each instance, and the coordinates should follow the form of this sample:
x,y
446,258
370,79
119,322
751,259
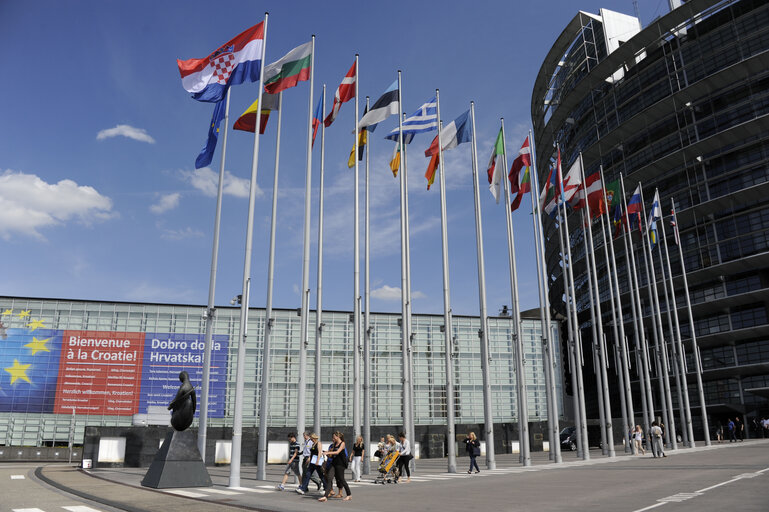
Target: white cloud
x,y
179,234
207,181
165,203
124,130
27,204
393,293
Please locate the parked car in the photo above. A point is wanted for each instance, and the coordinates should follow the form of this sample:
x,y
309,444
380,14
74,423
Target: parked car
x,y
569,437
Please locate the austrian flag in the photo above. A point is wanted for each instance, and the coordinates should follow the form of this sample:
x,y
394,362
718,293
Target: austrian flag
x,y
238,60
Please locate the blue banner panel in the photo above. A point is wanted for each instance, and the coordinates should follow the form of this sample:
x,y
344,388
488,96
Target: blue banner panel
x,y
29,366
167,354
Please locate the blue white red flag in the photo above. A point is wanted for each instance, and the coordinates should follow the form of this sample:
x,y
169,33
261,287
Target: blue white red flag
x,y
238,60
634,205
316,119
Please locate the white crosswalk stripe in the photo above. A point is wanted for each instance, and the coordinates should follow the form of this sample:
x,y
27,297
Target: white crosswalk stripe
x,y
17,477
27,510
80,508
186,494
217,491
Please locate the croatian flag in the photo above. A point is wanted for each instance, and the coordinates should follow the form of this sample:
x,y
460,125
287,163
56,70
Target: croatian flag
x,y
237,61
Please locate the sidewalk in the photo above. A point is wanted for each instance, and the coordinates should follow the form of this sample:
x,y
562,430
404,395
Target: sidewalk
x,y
121,487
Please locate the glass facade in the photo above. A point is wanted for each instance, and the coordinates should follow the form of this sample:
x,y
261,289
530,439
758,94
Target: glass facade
x,y
110,361
681,106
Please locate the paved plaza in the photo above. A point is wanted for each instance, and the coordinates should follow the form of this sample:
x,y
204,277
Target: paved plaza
x,y
722,477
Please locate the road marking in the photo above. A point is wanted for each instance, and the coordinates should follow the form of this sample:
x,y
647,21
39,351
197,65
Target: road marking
x,y
216,491
80,508
263,489
17,477
187,494
27,510
683,496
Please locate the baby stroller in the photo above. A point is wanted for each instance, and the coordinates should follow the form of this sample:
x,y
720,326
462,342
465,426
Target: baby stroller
x,y
387,470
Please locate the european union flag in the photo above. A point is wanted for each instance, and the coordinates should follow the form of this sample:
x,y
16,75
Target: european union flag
x,y
29,367
207,153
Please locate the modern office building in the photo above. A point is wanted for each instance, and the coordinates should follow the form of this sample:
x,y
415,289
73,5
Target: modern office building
x,y
109,361
682,106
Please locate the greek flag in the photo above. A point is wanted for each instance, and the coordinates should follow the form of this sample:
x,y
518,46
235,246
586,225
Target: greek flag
x,y
425,119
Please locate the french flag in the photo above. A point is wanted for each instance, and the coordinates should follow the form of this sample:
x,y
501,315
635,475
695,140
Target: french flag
x,y
238,60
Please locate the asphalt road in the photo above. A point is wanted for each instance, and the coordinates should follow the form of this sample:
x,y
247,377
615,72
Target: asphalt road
x,y
724,477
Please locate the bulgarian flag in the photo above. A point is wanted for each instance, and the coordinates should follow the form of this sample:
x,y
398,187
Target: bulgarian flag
x,y
247,121
523,188
291,69
495,177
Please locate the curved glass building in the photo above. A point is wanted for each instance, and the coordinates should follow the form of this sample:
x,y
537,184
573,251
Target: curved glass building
x,y
681,105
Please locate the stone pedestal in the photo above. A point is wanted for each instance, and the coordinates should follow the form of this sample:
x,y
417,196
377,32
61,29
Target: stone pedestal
x,y
177,464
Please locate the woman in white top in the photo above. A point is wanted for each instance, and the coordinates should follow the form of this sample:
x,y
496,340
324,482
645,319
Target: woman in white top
x,y
405,457
638,436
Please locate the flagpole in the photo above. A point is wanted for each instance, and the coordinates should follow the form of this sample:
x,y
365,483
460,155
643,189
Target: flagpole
x,y
569,324
679,345
640,331
663,355
673,345
410,353
599,317
594,331
620,338
695,348
447,327
483,333
404,273
367,319
261,460
211,309
618,368
317,401
520,372
579,389
544,311
579,386
303,336
240,371
356,412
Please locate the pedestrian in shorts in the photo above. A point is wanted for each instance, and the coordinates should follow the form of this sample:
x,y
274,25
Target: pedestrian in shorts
x,y
293,461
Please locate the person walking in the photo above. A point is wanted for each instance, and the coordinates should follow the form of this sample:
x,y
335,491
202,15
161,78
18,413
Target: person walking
x,y
730,430
739,428
473,448
306,459
657,444
638,437
358,452
293,461
336,468
404,459
313,466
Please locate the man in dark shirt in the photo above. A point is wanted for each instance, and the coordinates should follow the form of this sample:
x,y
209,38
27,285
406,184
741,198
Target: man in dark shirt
x,y
293,460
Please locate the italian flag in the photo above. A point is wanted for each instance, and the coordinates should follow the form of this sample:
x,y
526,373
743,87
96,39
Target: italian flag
x,y
494,173
291,69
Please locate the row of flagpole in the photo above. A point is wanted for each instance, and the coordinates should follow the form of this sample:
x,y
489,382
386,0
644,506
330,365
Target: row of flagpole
x,y
456,133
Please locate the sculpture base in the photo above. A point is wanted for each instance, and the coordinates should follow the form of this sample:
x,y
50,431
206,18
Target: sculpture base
x,y
177,464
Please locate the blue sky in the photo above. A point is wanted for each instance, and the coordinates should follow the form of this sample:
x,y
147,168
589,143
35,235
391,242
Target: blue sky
x,y
99,198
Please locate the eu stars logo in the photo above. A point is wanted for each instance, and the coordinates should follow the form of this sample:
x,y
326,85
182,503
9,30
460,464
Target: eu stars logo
x,y
38,345
18,371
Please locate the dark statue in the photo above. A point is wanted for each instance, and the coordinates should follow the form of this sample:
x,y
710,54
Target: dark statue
x,y
178,462
183,405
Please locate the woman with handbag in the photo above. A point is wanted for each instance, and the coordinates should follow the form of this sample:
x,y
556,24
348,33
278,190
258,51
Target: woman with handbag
x,y
336,468
473,447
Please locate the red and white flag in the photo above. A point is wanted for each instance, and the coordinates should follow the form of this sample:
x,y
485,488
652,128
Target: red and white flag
x,y
522,160
594,187
573,191
345,92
